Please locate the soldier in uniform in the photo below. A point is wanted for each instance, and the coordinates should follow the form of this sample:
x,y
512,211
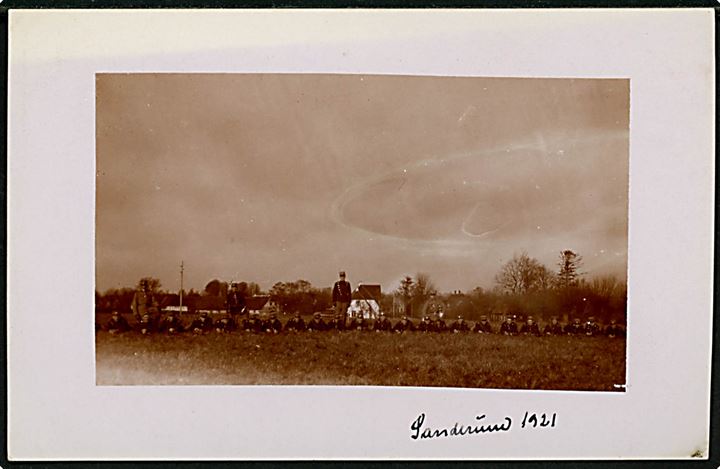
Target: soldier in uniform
x,y
295,324
235,303
404,325
170,324
316,324
509,327
483,327
382,324
554,328
117,324
272,325
252,323
575,327
530,327
337,323
439,324
460,325
146,325
591,327
614,330
226,325
341,296
425,325
358,323
202,324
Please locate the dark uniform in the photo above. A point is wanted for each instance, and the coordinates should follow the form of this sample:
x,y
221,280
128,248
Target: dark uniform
x,y
591,327
530,327
202,325
235,302
117,324
295,324
252,324
382,324
439,325
146,325
272,325
614,330
226,324
425,325
341,296
509,327
574,328
358,324
460,325
554,328
316,324
337,323
170,324
404,325
483,327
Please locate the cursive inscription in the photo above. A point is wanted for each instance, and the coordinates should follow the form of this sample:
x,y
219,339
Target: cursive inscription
x,y
418,431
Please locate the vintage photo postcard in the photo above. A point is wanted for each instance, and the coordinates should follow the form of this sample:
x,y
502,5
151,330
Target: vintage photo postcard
x,y
317,225
367,234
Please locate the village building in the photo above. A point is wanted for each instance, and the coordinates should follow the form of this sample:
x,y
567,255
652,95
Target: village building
x,y
365,301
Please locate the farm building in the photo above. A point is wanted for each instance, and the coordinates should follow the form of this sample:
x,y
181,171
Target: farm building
x,y
259,304
366,301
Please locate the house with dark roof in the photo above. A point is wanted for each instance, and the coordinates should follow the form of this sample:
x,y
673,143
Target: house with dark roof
x,y
365,301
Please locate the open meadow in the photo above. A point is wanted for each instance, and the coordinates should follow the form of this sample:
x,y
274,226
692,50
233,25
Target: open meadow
x,y
363,358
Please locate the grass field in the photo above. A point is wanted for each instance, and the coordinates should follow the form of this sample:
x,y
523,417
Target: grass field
x,y
364,358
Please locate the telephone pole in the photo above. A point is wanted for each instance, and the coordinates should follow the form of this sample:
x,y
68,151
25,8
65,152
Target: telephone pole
x,y
182,271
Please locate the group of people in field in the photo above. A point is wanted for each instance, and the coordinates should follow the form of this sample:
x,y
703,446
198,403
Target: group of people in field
x,y
204,324
149,321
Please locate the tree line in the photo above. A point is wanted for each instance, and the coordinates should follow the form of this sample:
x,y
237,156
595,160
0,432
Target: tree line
x,y
523,286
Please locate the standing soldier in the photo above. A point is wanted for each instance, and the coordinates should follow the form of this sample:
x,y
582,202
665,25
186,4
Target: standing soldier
x,y
341,296
530,327
235,303
509,327
144,303
483,327
460,325
554,328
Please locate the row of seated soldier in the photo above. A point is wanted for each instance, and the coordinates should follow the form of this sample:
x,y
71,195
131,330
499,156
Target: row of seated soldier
x,y
203,324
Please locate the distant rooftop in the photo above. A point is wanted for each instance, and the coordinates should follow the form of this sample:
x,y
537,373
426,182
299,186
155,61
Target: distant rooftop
x,y
366,291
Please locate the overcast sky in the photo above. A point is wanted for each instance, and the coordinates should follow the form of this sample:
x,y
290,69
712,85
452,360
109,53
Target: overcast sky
x,y
277,177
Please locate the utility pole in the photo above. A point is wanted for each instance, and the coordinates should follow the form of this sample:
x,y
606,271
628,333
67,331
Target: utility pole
x,y
182,271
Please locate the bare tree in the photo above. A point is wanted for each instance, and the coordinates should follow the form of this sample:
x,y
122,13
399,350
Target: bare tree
x,y
422,291
523,274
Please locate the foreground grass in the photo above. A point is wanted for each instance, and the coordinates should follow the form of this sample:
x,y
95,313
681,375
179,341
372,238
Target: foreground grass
x,y
357,358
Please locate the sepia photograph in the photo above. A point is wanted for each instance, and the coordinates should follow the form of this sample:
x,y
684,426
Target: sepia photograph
x,y
347,229
360,234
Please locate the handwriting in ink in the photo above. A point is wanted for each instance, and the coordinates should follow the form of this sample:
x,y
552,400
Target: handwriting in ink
x,y
418,432
531,420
